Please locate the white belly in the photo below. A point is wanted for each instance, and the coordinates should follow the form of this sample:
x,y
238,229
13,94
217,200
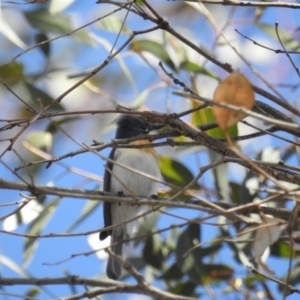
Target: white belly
x,y
136,183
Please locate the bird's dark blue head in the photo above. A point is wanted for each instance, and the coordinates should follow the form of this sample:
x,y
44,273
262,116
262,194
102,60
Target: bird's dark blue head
x,y
131,126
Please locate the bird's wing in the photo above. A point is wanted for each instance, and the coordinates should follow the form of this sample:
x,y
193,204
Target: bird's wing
x,y
106,204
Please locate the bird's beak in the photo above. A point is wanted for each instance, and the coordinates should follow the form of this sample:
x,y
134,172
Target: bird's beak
x,y
156,126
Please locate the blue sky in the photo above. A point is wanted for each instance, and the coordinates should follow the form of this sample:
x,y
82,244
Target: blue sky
x,y
123,83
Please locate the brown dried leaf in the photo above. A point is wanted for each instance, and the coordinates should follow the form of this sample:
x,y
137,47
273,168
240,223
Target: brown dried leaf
x,y
236,90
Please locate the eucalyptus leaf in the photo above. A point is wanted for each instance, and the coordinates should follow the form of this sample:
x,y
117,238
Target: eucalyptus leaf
x,y
40,98
36,227
113,24
186,288
220,177
53,127
41,140
282,250
12,73
44,47
175,172
205,116
57,6
154,48
152,252
195,68
286,38
173,273
60,24
189,238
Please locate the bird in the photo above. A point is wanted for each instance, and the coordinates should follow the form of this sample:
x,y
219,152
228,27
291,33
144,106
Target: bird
x,y
126,182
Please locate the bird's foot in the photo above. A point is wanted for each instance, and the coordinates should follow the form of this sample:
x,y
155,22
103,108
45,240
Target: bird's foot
x,y
120,194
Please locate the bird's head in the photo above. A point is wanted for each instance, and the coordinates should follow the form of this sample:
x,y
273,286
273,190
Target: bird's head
x,y
129,126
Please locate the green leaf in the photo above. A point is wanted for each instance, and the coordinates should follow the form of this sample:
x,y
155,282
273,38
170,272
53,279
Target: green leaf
x,y
205,116
220,174
33,292
175,172
57,6
186,288
195,68
38,95
141,98
282,250
187,240
210,250
58,24
155,48
41,140
245,196
45,47
53,127
113,24
287,39
288,153
235,188
171,241
137,262
173,273
147,225
152,252
12,73
181,50
36,227
250,280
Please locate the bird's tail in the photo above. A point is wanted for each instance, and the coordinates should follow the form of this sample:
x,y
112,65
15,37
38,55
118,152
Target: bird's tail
x,y
114,269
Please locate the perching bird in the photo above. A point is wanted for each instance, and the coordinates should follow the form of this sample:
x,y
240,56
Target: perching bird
x,y
141,159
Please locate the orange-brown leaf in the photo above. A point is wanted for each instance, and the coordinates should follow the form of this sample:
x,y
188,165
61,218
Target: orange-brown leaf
x,y
236,90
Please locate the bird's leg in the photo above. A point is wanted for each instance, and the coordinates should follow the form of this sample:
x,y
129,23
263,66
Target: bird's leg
x,y
120,194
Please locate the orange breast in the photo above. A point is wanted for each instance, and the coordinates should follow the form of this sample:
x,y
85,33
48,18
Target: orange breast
x,y
150,150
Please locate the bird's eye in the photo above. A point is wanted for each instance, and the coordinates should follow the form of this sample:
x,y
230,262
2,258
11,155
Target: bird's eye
x,y
145,128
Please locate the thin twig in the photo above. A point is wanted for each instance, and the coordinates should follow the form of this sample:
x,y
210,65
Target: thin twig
x,y
287,54
291,288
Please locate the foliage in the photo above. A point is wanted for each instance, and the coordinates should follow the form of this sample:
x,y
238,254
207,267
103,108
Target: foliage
x,y
67,68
